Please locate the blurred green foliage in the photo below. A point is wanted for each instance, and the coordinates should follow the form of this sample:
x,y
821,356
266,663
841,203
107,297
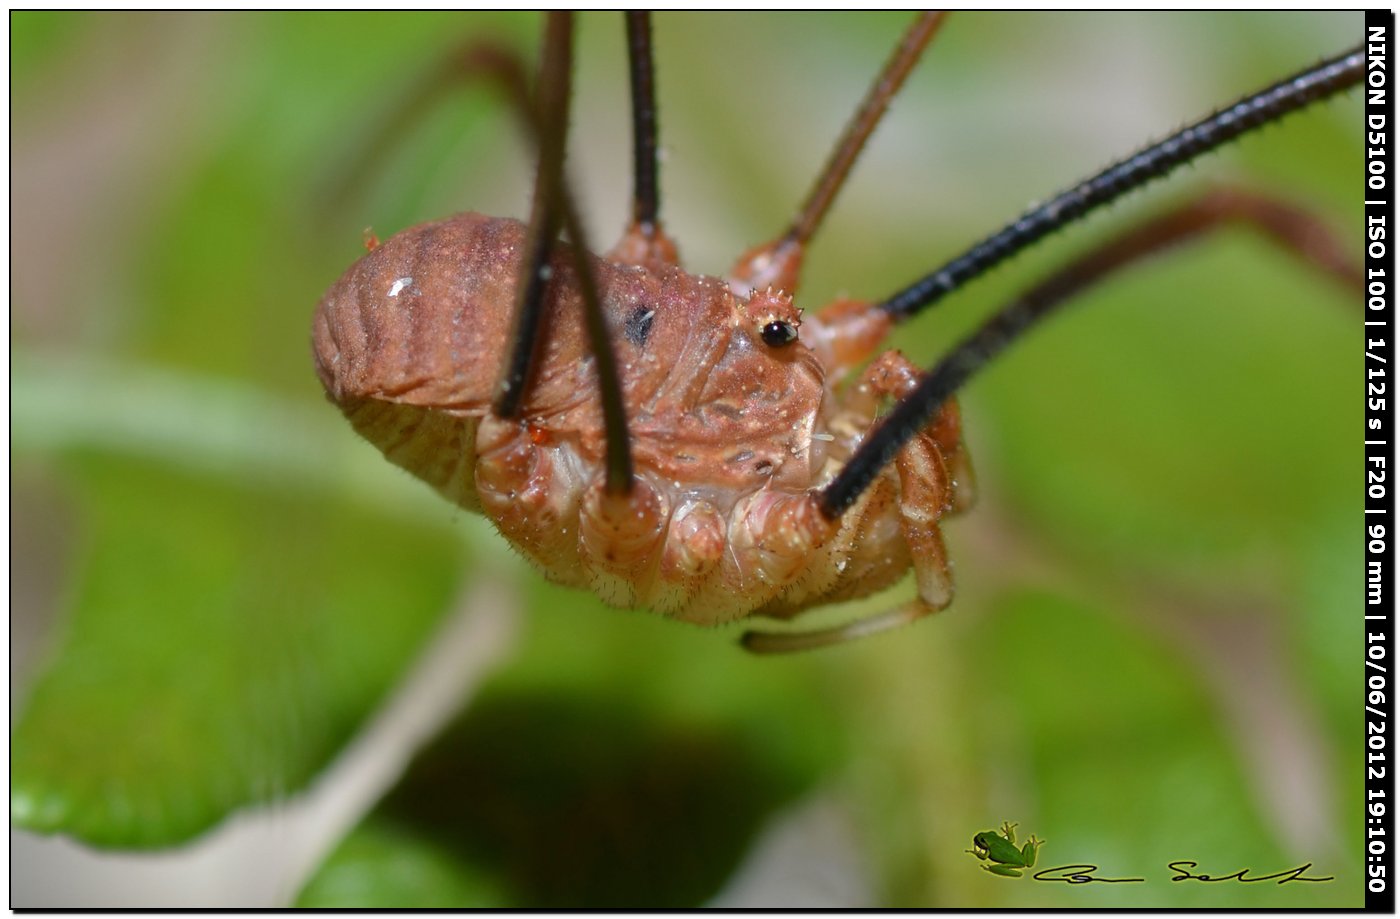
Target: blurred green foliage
x,y
1151,654
646,814
172,703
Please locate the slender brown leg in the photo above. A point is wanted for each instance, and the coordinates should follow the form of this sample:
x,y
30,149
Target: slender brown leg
x,y
779,263
1287,225
350,174
788,642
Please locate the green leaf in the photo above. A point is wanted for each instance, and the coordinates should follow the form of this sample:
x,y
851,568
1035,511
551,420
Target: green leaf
x,y
223,643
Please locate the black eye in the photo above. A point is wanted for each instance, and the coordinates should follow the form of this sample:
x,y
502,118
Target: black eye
x,y
779,333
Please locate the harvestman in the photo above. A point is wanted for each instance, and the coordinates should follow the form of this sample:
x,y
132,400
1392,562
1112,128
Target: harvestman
x,y
694,444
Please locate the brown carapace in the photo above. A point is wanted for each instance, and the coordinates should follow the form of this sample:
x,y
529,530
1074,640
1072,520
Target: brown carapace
x,y
745,473
734,412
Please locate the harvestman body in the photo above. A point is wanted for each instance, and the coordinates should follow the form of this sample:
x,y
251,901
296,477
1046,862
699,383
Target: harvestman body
x,y
733,465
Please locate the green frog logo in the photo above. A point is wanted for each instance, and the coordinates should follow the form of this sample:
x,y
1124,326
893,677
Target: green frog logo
x,y
1000,852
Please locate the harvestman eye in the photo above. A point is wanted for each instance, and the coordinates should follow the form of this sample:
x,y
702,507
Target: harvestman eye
x,y
621,477
779,333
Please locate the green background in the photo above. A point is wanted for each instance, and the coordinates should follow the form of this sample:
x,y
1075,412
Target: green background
x,y
1154,650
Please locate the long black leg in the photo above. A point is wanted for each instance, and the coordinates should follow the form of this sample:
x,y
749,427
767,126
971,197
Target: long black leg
x,y
645,194
550,116
1264,107
1309,86
618,471
644,242
778,263
546,122
1293,229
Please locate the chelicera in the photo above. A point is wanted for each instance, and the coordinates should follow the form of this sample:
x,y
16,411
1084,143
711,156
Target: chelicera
x,y
697,445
